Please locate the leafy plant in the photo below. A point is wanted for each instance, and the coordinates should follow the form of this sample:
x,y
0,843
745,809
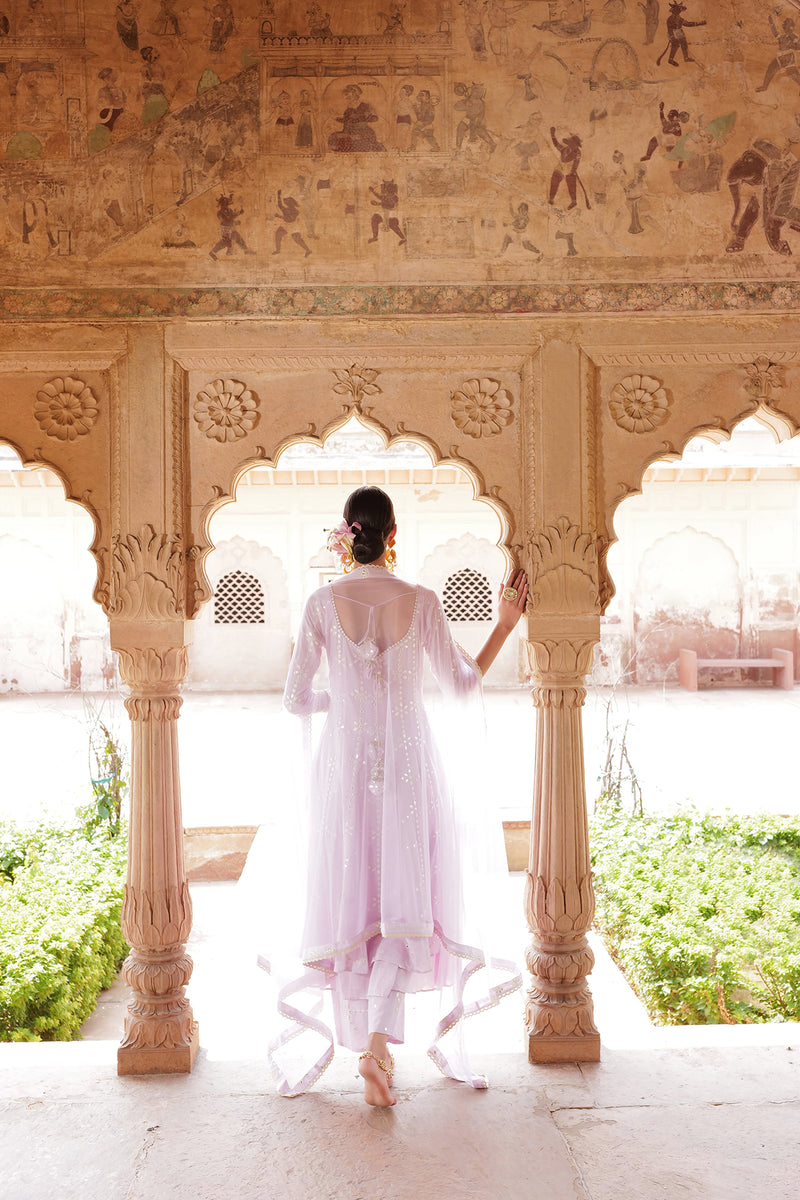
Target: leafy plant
x,y
60,936
702,913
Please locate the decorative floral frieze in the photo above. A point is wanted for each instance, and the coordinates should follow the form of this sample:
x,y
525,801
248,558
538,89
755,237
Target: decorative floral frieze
x,y
356,381
764,376
639,403
481,408
226,410
146,577
66,408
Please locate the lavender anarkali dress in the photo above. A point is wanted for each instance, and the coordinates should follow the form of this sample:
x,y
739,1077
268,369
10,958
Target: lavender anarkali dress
x,y
388,892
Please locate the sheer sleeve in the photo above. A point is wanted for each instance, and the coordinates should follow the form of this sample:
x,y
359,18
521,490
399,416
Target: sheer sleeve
x,y
456,672
299,697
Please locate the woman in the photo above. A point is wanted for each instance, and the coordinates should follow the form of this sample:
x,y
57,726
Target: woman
x,y
386,904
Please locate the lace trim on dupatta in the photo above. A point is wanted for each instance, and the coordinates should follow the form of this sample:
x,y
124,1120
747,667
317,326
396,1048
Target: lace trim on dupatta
x,y
454,1065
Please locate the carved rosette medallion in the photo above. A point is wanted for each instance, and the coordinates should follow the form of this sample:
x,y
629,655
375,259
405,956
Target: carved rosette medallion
x,y
65,408
481,408
639,403
226,410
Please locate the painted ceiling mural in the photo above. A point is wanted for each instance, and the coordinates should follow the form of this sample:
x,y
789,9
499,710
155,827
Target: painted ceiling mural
x,y
244,143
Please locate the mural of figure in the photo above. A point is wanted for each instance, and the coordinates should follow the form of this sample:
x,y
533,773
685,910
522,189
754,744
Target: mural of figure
x,y
671,130
472,102
473,21
614,12
153,86
404,116
220,26
570,151
634,193
38,93
651,13
571,20
517,231
356,134
36,229
527,147
36,21
127,25
179,239
110,98
764,181
304,138
283,105
785,61
387,198
288,212
319,22
424,117
167,23
500,21
675,35
229,237
394,20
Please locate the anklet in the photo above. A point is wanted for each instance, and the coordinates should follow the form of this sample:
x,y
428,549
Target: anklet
x,y
388,1071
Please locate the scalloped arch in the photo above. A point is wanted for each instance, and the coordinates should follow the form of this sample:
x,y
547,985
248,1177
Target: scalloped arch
x,y
95,549
480,492
717,431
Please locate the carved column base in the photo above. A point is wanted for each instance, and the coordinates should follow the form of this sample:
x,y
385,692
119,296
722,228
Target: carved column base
x,y
159,1060
559,1018
585,1048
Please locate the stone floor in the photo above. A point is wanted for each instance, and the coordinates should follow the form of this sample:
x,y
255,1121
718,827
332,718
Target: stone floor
x,y
703,1113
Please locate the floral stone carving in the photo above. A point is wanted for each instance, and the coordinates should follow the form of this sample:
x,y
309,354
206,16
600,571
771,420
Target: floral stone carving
x,y
66,408
226,410
481,408
357,381
764,377
639,403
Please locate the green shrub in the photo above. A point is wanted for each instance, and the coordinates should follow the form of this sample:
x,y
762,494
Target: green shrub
x,y
702,913
60,938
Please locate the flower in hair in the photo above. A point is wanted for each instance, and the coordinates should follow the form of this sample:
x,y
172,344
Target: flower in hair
x,y
340,543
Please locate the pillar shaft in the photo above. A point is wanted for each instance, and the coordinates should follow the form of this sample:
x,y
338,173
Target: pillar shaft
x,y
160,1030
559,899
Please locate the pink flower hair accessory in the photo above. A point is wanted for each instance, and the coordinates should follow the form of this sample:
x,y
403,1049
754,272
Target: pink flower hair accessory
x,y
340,543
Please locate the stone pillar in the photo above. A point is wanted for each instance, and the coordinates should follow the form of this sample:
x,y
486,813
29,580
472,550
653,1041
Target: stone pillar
x,y
160,1030
559,898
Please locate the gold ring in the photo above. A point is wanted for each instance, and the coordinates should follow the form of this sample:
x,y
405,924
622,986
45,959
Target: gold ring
x,y
510,593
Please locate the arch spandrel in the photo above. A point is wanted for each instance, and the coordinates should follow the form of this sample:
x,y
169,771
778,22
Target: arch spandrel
x,y
470,418
649,410
84,475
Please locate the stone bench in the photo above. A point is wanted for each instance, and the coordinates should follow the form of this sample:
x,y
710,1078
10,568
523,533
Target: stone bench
x,y
781,664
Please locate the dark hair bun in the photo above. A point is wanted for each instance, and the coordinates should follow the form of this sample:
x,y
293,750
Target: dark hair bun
x,y
372,509
368,544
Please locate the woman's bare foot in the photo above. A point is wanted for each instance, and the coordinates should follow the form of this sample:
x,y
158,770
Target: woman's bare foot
x,y
376,1083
